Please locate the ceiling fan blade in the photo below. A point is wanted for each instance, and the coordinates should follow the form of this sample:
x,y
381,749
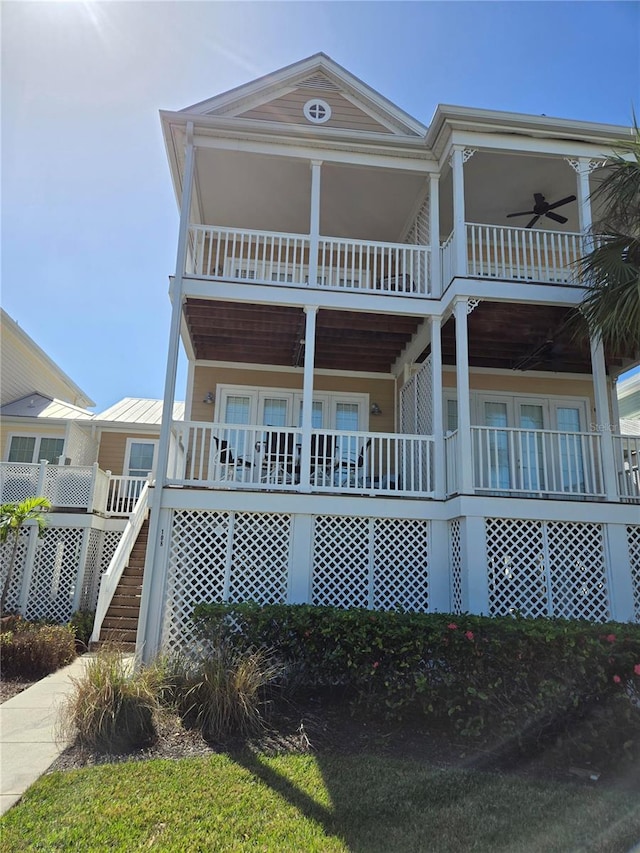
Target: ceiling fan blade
x,y
522,213
533,222
557,217
562,201
539,198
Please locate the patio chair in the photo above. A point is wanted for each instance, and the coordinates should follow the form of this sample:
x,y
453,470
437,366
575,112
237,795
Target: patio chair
x,y
279,457
225,466
349,470
323,449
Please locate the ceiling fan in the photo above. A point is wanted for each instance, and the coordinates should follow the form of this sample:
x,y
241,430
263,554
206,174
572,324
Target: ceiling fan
x,y
543,208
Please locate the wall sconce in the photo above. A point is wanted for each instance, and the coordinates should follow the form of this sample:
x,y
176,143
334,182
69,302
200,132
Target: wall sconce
x,y
375,409
209,398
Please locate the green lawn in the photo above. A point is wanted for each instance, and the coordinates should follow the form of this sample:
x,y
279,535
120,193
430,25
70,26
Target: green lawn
x,y
308,803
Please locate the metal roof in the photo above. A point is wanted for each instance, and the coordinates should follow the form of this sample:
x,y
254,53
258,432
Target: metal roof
x,y
138,410
39,406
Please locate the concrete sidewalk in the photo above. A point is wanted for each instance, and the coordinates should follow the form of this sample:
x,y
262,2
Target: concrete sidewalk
x,y
28,732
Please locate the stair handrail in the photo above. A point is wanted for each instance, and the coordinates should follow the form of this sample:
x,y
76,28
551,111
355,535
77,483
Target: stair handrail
x,y
111,578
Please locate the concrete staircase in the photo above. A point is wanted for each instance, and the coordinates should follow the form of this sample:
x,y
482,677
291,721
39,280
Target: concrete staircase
x,y
121,622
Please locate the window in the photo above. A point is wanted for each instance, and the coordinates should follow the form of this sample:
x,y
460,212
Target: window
x,y
317,111
31,448
140,457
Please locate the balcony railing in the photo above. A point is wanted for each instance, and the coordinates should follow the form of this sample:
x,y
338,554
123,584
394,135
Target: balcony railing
x,y
627,457
536,462
70,487
269,458
523,253
276,258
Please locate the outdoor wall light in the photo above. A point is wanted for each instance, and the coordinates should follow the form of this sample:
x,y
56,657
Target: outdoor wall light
x,y
375,409
209,398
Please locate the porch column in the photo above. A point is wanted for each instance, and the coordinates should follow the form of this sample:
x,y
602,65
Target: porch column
x,y
437,425
603,424
459,229
465,460
435,273
583,168
150,620
314,221
307,396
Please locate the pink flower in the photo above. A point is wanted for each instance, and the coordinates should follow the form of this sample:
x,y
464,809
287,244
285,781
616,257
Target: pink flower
x,y
636,669
610,638
375,664
469,635
617,679
452,626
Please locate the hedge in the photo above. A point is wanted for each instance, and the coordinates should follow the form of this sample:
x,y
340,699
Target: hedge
x,y
490,678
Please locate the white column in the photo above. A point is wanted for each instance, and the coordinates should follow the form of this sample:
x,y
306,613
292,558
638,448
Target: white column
x,y
465,459
437,425
82,569
459,228
150,620
314,221
584,202
435,282
475,571
307,396
603,419
439,572
615,406
301,560
621,598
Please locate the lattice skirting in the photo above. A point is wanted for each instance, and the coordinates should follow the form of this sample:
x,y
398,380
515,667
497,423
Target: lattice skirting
x,y
547,568
633,540
455,565
64,574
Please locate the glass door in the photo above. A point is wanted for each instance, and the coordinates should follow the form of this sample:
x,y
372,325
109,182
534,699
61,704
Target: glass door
x,y
530,447
571,461
493,456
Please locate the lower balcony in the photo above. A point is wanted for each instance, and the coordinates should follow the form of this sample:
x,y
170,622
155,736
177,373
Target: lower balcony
x,y
504,462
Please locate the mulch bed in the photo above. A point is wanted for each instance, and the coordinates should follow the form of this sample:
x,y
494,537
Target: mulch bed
x,y
12,686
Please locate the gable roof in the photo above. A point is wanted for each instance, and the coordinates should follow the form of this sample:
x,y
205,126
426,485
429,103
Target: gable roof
x,y
39,406
319,75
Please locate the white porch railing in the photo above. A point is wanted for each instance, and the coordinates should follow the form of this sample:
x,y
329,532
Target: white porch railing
x,y
277,258
627,456
237,456
71,487
523,253
537,462
111,577
447,263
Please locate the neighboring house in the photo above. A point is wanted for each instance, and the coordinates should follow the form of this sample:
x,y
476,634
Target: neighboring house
x,y
93,468
629,397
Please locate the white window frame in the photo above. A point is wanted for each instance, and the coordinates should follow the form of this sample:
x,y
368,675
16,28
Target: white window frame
x,y
36,447
127,453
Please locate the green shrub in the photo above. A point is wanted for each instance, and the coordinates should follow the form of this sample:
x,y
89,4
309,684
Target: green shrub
x,y
112,706
223,692
527,682
82,623
34,650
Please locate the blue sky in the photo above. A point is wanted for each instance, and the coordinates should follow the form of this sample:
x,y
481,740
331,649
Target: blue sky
x,y
89,222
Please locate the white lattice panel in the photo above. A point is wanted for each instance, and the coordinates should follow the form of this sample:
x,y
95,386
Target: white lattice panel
x,y
547,568
400,564
260,558
341,559
68,486
455,565
416,402
516,566
577,571
80,447
215,556
55,574
15,587
633,540
88,599
18,482
362,562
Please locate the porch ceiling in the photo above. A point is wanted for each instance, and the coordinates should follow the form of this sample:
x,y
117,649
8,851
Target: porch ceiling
x,y
271,334
522,337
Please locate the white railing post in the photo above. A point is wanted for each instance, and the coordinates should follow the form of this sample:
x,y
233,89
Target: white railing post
x,y
307,396
42,473
29,564
82,570
434,269
465,475
92,488
314,222
603,424
437,427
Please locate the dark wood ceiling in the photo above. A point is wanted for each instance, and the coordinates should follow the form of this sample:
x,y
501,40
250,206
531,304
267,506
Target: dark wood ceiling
x,y
501,335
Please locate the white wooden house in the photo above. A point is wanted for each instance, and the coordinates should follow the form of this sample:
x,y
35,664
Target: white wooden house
x,y
386,404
